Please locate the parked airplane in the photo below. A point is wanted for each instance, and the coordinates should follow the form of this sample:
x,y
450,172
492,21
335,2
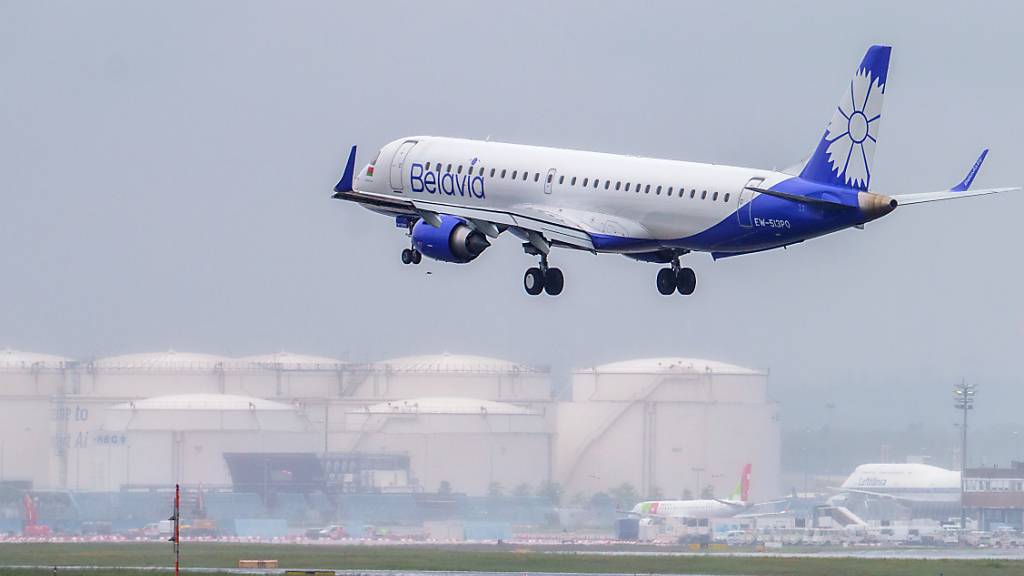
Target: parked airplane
x,y
926,490
454,196
703,508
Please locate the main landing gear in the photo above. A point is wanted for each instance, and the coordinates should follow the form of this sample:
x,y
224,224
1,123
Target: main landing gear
x,y
676,279
411,256
542,278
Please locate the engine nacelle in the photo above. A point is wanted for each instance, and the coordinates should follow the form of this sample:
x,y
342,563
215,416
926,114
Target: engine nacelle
x,y
454,241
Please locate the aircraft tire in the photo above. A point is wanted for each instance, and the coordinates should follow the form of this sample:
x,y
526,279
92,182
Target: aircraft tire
x,y
554,281
686,281
533,281
407,256
666,281
417,256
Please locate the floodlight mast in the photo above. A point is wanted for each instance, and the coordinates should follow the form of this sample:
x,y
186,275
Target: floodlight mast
x,y
963,400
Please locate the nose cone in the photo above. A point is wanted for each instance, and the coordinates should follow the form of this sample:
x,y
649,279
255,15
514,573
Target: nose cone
x,y
874,206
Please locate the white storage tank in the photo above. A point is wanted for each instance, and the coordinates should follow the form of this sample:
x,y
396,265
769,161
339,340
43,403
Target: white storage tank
x,y
467,442
153,374
455,375
30,384
288,375
183,437
668,426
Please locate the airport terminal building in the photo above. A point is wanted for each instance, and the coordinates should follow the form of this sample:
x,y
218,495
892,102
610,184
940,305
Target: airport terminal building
x,y
424,424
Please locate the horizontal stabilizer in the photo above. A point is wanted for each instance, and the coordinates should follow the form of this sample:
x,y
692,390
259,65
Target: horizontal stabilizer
x,y
904,199
961,190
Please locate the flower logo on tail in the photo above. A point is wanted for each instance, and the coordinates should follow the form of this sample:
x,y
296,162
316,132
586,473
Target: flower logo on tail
x,y
853,131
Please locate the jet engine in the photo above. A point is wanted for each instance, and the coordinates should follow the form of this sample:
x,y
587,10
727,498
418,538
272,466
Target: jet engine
x,y
452,241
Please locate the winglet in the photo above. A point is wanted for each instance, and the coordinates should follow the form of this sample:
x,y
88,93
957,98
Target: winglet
x,y
345,184
966,183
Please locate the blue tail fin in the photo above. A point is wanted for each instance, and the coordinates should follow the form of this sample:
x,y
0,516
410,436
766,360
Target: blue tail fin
x,y
843,157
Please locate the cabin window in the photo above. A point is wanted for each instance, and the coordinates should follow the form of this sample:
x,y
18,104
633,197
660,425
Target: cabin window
x,y
573,181
669,190
657,192
647,189
514,172
584,182
596,183
525,175
618,184
503,172
693,192
536,176
627,186
607,183
561,179
448,169
715,196
550,178
492,172
726,199
428,166
459,170
704,194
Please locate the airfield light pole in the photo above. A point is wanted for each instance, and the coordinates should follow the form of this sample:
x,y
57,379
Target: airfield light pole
x,y
963,399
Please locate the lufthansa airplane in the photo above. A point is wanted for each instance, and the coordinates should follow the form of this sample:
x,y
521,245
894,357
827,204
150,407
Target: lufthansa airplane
x,y
454,196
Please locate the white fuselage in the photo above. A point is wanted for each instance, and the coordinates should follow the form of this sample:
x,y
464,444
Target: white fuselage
x,y
665,199
907,482
695,509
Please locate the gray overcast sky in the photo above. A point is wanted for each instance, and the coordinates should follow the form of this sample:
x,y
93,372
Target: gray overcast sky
x,y
165,171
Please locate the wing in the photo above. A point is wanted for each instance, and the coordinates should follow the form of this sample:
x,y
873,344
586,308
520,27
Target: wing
x,y
763,514
539,228
879,495
546,228
733,504
961,190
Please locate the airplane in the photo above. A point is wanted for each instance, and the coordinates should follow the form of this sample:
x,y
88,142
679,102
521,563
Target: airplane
x,y
924,489
735,507
454,196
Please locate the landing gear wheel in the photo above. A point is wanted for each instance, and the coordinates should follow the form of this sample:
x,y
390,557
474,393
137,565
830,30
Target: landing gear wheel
x,y
666,281
686,281
417,256
554,281
407,256
533,281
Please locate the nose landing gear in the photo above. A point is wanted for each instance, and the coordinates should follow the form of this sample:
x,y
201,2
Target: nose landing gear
x,y
676,279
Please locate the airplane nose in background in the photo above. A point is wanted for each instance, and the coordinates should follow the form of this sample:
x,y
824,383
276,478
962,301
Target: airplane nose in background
x,y
875,205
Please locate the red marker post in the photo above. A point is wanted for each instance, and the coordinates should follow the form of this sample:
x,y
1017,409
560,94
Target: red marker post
x,y
176,518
